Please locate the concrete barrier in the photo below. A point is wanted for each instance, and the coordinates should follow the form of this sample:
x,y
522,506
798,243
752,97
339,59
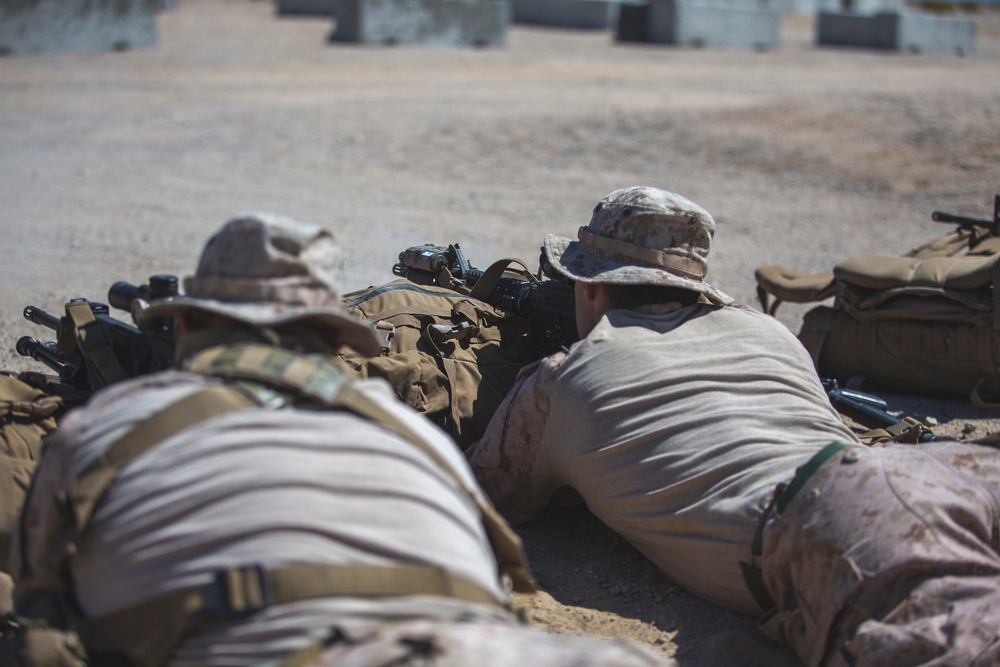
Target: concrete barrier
x,y
47,26
863,7
700,24
306,7
898,31
480,23
583,14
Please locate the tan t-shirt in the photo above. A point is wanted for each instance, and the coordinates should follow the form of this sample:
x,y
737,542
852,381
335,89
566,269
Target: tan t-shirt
x,y
674,424
263,487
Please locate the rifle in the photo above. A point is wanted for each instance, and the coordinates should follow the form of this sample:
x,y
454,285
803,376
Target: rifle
x,y
93,349
545,301
873,412
548,304
970,224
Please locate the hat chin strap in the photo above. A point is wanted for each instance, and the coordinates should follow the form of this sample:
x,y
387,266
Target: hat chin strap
x,y
685,266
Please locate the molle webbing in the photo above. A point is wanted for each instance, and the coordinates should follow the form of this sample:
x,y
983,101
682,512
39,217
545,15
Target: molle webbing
x,y
311,377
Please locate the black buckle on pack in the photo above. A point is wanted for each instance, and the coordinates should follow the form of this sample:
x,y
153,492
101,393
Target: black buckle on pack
x,y
238,592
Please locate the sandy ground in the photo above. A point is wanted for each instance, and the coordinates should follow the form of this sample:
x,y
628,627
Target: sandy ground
x,y
117,166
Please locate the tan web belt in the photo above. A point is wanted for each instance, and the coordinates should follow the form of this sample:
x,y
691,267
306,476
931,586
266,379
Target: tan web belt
x,y
151,629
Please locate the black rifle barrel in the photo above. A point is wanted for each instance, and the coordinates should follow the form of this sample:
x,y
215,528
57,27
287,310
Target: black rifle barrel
x,y
39,316
941,216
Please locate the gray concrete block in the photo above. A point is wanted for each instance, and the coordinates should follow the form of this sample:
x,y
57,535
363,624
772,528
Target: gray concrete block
x,y
924,32
864,7
478,23
701,24
583,14
897,31
633,22
842,29
801,7
306,7
47,26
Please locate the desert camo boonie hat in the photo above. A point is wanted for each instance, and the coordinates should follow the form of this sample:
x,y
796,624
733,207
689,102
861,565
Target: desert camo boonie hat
x,y
266,270
641,236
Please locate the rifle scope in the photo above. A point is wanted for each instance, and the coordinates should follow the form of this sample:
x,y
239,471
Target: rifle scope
x,y
122,294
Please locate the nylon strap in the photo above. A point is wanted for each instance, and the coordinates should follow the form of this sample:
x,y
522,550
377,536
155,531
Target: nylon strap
x,y
506,544
783,495
331,386
87,489
907,431
674,263
491,277
147,632
95,346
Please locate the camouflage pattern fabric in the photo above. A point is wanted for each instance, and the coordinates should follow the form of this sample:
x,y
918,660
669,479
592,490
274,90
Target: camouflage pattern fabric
x,y
435,644
641,236
890,556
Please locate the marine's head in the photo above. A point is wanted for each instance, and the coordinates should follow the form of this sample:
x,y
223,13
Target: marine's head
x,y
272,271
641,236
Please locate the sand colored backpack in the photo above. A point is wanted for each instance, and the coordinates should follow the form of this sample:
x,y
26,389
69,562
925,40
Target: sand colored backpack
x,y
927,322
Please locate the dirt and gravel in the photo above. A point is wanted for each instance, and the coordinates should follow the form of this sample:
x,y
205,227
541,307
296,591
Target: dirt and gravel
x,y
116,166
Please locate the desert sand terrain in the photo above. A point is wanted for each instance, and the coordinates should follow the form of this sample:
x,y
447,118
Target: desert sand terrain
x,y
116,166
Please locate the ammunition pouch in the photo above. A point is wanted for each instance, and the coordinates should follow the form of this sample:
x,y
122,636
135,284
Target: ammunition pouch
x,y
449,356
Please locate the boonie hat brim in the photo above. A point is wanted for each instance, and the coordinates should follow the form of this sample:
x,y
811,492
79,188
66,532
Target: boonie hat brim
x,y
346,329
576,262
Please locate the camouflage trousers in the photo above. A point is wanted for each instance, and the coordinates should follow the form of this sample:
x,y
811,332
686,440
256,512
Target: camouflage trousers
x,y
450,644
889,556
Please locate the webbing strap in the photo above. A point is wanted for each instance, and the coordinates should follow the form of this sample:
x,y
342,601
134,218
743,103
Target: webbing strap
x,y
491,277
804,473
146,632
506,544
907,431
90,485
329,384
783,495
92,341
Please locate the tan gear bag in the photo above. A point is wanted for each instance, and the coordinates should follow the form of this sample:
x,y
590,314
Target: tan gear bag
x,y
927,322
27,413
449,356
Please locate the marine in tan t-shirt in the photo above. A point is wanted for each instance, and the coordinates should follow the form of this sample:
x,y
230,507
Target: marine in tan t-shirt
x,y
677,417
